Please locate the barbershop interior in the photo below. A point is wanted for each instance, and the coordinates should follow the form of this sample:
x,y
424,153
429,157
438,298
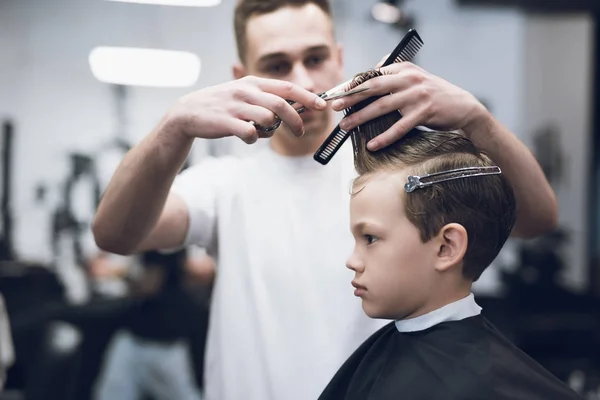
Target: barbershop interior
x,y
206,299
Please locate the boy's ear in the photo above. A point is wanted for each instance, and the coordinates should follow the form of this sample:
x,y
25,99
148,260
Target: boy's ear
x,y
239,71
453,241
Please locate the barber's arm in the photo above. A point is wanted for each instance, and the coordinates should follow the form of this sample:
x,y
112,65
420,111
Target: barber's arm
x,y
427,100
537,208
138,211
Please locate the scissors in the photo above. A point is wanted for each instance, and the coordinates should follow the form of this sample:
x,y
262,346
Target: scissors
x,y
332,94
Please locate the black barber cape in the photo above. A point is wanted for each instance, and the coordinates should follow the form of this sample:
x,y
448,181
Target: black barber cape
x,y
454,360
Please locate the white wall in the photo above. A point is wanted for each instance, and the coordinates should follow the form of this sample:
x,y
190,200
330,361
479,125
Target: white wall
x,y
47,88
49,91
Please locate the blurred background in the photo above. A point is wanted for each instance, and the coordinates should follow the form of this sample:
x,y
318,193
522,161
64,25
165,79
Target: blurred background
x,y
67,121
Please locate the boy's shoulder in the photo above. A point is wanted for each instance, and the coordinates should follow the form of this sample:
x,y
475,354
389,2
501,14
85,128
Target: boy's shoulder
x,y
466,359
476,359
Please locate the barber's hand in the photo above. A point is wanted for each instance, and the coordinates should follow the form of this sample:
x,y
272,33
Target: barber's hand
x,y
227,109
422,99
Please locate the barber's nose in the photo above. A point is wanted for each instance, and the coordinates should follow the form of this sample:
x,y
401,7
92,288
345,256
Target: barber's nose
x,y
302,78
355,263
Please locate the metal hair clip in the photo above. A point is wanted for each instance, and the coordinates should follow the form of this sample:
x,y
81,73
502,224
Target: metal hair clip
x,y
419,182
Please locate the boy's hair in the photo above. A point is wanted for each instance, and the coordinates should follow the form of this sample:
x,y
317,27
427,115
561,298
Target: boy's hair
x,y
483,205
245,9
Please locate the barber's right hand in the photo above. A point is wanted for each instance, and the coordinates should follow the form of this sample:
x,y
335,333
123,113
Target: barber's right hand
x,y
228,109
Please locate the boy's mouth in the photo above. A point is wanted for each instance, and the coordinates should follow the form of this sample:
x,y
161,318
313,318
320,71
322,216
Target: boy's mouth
x,y
359,289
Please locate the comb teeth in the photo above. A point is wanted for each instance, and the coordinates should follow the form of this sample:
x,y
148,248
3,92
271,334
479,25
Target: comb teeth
x,y
411,50
331,145
406,49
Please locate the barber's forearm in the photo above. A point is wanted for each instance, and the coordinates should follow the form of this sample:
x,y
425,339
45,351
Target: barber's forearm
x,y
537,208
136,195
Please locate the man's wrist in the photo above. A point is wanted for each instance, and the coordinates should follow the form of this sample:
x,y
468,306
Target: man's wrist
x,y
479,123
175,126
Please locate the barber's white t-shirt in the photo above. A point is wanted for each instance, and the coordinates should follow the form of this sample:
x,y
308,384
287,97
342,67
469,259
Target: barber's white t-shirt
x,y
283,317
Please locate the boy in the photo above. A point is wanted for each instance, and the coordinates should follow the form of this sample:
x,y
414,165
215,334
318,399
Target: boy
x,y
428,215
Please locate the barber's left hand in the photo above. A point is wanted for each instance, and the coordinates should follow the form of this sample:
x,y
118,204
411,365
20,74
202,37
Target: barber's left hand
x,y
422,99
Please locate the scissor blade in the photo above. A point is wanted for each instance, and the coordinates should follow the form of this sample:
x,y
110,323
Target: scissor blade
x,y
339,95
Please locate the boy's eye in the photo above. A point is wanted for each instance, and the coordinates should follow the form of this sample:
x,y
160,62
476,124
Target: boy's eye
x,y
370,239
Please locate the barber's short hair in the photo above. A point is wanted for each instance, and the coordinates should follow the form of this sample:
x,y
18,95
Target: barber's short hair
x,y
245,9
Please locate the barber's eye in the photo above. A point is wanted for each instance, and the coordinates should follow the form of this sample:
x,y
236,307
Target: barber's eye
x,y
314,61
370,239
278,69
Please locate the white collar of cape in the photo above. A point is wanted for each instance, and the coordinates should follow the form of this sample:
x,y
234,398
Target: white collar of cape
x,y
461,309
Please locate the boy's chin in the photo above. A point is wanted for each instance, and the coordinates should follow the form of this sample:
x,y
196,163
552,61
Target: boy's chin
x,y
375,312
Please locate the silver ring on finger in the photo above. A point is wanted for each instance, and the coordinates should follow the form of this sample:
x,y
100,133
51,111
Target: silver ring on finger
x,y
268,129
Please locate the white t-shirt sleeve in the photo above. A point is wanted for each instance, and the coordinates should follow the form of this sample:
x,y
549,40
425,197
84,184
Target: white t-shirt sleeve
x,y
200,187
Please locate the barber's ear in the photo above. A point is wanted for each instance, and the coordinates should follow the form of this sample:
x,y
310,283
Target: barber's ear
x,y
453,241
338,57
239,71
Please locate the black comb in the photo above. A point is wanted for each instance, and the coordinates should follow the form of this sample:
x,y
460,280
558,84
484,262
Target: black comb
x,y
406,50
331,145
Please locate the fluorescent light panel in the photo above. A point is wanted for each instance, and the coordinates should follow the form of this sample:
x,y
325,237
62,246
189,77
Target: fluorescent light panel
x,y
184,3
144,67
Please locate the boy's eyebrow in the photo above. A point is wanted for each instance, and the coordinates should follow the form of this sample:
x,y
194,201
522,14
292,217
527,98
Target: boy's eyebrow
x,y
361,226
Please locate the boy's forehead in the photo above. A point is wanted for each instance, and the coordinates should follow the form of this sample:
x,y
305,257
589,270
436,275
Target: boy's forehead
x,y
381,183
289,29
379,193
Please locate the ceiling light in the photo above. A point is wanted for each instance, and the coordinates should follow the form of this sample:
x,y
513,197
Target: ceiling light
x,y
391,12
144,67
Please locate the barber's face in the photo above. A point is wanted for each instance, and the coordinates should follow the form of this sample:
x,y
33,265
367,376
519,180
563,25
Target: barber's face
x,y
296,44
